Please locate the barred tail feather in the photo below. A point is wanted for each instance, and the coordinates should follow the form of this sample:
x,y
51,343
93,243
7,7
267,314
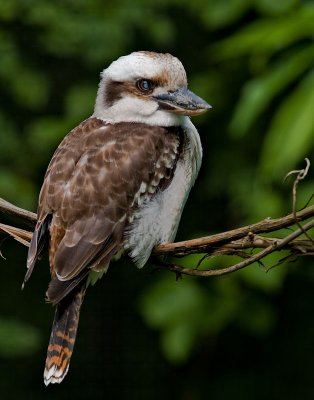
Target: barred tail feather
x,y
63,336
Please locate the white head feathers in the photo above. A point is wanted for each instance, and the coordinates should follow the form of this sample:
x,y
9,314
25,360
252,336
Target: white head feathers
x,y
117,99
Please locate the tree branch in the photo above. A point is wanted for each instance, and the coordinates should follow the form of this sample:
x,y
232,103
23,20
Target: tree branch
x,y
240,241
24,215
304,247
205,244
231,242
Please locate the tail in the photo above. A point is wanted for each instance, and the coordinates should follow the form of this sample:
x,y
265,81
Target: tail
x,y
63,336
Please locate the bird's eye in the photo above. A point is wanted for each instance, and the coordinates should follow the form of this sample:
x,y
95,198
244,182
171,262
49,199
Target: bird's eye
x,y
145,86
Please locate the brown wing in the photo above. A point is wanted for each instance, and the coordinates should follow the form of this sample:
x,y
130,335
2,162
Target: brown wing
x,y
90,190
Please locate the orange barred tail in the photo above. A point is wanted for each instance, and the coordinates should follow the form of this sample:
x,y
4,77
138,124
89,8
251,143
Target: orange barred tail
x,y
63,336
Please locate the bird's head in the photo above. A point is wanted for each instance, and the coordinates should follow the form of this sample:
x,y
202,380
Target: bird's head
x,y
146,87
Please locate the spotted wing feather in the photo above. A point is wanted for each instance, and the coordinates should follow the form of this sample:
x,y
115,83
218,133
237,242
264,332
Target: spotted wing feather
x,y
96,179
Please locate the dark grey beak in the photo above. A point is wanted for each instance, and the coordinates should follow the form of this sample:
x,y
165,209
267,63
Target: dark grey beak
x,y
182,101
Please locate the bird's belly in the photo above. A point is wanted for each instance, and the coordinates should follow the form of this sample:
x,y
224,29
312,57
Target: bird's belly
x,y
157,220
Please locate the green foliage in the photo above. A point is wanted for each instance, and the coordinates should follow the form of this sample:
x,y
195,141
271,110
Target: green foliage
x,y
221,13
17,339
270,34
186,312
278,59
177,309
260,92
292,131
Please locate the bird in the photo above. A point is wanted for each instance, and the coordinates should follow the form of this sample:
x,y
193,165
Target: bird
x,y
116,184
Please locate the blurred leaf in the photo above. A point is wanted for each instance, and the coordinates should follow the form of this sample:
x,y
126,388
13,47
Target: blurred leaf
x,y
44,135
169,301
186,311
161,30
176,309
255,38
225,299
254,198
30,89
219,13
207,85
290,138
83,29
9,143
9,56
8,9
28,86
258,93
271,7
17,339
258,277
178,342
79,101
16,189
305,191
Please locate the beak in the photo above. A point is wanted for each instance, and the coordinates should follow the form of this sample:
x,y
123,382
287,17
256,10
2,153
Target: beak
x,y
182,101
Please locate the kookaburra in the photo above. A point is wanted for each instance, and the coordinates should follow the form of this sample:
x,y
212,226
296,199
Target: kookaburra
x,y
117,183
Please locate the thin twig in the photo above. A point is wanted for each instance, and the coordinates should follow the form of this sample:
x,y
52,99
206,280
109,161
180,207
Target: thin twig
x,y
20,235
301,174
227,270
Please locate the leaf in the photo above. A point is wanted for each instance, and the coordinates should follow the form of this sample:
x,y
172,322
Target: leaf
x,y
9,9
44,135
258,277
169,301
9,141
17,339
291,135
272,7
177,309
219,13
16,189
258,93
79,101
186,311
178,342
255,38
31,89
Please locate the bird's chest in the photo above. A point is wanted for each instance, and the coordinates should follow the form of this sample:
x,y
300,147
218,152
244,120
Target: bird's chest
x,y
156,220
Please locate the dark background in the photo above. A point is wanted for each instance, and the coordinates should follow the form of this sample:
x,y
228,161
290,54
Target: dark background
x,y
143,335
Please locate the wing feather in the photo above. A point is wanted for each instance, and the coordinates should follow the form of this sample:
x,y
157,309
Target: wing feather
x,y
97,177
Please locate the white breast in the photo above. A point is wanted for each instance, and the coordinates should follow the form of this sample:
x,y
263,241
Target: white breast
x,y
157,220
